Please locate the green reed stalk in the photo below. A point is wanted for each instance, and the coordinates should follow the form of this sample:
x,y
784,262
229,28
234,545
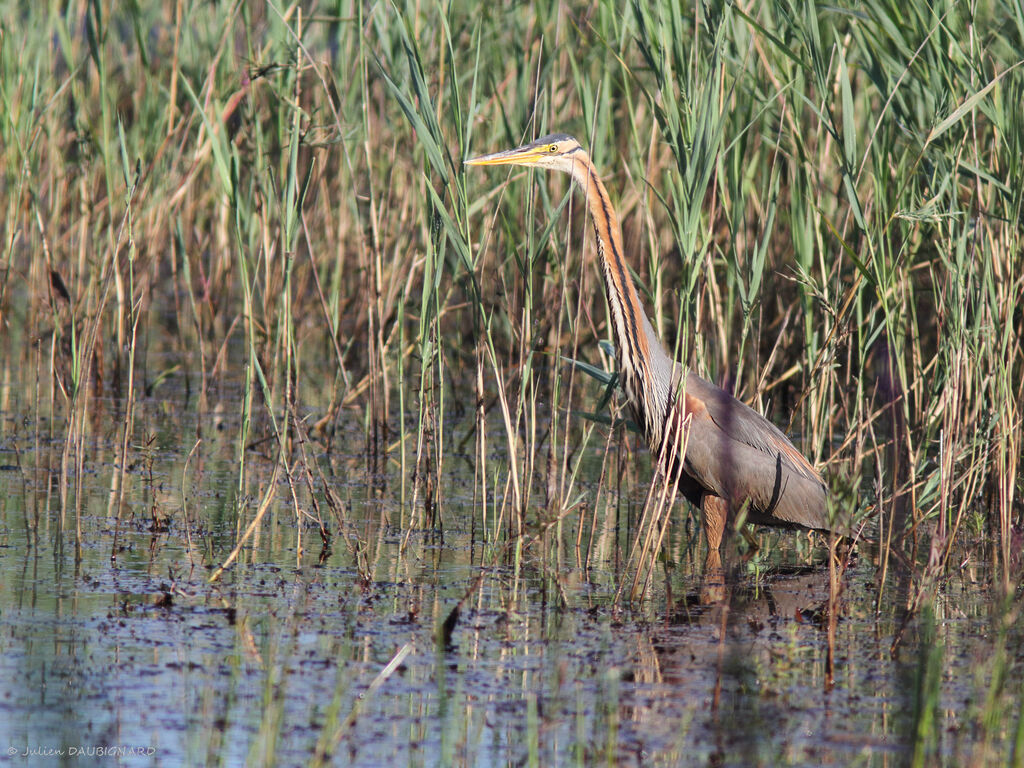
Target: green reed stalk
x,y
927,693
132,320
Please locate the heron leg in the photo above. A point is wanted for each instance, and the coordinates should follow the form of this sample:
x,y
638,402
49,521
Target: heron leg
x,y
714,512
712,588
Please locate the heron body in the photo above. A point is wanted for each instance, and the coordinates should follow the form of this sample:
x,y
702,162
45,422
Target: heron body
x,y
725,457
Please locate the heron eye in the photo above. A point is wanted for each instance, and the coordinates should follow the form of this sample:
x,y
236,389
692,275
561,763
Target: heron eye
x,y
553,148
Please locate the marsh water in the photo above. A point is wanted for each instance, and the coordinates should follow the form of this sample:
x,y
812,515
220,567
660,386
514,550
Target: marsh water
x,y
117,648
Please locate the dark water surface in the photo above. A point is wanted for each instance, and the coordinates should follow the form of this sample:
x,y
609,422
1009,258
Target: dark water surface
x,y
293,657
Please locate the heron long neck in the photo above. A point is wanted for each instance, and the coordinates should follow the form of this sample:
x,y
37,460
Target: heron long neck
x,y
645,367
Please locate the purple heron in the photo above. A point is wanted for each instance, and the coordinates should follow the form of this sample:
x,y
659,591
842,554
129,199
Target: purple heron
x,y
725,457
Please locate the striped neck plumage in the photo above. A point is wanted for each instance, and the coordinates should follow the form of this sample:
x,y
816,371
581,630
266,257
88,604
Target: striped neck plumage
x,y
634,336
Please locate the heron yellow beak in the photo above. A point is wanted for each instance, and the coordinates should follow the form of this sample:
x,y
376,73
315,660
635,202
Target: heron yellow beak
x,y
527,155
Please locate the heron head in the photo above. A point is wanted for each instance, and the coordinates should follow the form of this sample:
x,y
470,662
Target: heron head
x,y
554,152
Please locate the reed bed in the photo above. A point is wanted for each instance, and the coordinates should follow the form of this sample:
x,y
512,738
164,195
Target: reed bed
x,y
824,205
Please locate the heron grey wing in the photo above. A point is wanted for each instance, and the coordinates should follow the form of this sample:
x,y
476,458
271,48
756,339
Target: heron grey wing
x,y
736,454
742,423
